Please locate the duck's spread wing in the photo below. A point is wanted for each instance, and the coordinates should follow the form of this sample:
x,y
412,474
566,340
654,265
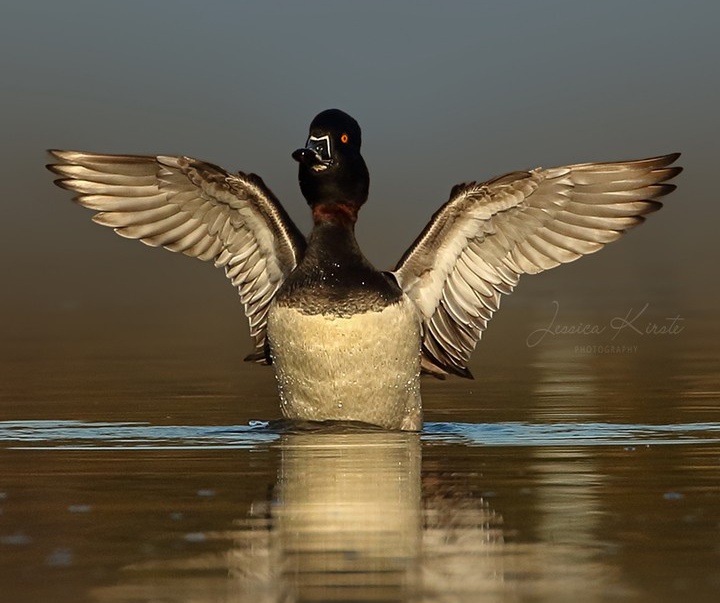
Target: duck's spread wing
x,y
195,208
479,243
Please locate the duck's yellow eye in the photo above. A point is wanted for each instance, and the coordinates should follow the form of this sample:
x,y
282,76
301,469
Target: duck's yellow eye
x,y
344,138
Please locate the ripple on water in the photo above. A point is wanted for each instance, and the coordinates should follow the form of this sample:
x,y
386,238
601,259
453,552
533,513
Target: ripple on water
x,y
96,435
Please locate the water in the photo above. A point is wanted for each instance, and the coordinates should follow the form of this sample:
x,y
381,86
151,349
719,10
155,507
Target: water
x,y
512,511
149,469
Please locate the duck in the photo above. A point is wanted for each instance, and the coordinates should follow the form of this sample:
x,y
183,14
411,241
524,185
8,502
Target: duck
x,y
349,342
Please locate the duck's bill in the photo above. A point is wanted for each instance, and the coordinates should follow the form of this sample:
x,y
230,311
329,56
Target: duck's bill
x,y
316,154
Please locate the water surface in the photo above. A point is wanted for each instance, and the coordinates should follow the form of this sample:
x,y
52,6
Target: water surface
x,y
150,470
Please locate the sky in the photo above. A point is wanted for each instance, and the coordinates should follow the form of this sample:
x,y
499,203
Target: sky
x,y
445,93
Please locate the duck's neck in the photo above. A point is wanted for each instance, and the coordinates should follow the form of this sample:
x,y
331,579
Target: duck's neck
x,y
332,240
341,214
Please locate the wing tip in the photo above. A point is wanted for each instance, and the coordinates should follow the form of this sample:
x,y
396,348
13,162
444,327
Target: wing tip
x,y
662,189
259,357
672,172
62,158
66,157
64,183
440,370
664,165
463,372
651,207
57,153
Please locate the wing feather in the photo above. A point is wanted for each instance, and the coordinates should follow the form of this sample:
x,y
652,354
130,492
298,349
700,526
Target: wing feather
x,y
194,208
477,245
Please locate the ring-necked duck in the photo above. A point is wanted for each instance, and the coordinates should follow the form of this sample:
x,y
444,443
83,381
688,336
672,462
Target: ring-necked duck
x,y
347,341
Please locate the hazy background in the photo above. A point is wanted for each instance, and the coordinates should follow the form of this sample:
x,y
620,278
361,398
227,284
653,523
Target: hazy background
x,y
445,92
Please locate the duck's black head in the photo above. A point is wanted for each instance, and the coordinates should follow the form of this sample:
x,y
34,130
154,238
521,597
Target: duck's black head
x,y
333,175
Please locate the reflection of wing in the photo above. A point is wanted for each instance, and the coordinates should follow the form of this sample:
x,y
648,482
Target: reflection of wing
x,y
198,209
479,243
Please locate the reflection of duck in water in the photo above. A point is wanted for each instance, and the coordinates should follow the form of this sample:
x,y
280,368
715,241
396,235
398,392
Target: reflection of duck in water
x,y
350,517
348,342
346,519
353,518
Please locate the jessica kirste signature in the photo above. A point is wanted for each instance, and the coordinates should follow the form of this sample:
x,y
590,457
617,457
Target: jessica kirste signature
x,y
631,322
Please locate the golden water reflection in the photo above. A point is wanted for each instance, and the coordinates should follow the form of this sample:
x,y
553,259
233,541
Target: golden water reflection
x,y
357,517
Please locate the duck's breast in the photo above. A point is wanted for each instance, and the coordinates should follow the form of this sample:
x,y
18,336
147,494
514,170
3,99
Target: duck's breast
x,y
357,367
